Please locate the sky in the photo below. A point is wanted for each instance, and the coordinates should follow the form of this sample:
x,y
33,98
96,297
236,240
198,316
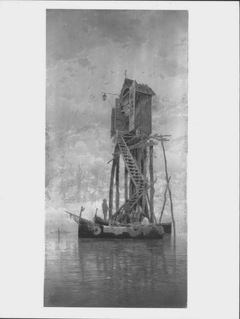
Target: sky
x,y
88,52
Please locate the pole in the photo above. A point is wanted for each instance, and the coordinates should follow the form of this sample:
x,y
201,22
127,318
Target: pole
x,y
168,187
111,186
151,180
126,183
145,179
165,199
117,182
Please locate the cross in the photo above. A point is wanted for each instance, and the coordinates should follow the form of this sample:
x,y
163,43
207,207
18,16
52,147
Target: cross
x,y
125,73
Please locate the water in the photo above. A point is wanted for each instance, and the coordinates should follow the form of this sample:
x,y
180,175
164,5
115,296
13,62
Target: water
x,y
115,273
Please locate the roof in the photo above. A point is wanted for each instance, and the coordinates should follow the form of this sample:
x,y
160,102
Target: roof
x,y
143,88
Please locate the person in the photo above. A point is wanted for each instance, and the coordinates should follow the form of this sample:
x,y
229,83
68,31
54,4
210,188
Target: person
x,y
139,209
127,210
104,208
145,221
138,213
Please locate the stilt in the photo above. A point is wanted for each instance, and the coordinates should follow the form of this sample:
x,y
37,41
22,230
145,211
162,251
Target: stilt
x,y
145,179
130,187
138,161
151,181
117,182
165,199
171,205
126,183
111,186
168,187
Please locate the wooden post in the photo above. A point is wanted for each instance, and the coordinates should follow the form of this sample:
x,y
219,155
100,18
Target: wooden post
x,y
126,183
165,199
146,209
130,187
138,161
111,186
151,181
145,178
171,205
168,187
117,182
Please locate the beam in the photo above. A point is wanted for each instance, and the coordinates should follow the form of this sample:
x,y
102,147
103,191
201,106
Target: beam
x,y
151,180
117,182
111,187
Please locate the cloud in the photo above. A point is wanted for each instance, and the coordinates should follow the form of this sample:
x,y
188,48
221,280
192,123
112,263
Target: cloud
x,y
117,25
69,69
71,33
85,63
172,68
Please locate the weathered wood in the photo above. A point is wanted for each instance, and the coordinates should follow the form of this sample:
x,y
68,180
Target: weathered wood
x,y
114,156
117,181
147,212
145,180
138,161
131,185
152,216
171,205
138,158
167,179
151,180
165,199
125,183
111,187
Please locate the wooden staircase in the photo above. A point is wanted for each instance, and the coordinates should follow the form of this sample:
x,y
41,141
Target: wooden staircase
x,y
133,170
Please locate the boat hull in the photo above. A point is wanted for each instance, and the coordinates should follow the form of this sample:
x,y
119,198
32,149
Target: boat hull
x,y
88,229
167,227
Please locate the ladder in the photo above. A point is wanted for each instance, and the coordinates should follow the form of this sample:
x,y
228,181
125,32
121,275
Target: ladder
x,y
133,170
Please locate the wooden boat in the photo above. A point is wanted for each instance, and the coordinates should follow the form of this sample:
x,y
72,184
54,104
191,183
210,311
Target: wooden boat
x,y
108,229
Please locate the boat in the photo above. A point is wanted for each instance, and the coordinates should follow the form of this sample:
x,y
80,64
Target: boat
x,y
99,228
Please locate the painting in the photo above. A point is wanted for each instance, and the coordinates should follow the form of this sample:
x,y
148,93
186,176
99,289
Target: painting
x,y
103,67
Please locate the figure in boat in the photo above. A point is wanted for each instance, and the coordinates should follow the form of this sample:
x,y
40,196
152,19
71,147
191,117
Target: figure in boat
x,y
105,209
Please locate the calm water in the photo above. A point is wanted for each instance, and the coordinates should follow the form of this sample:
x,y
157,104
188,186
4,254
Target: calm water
x,y
115,273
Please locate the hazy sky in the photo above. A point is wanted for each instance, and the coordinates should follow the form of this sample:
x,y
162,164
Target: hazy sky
x,y
88,52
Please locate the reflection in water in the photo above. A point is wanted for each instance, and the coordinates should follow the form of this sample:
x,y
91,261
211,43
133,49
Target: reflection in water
x,y
115,273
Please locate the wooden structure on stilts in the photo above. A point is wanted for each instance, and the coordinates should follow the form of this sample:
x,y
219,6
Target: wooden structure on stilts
x,y
131,127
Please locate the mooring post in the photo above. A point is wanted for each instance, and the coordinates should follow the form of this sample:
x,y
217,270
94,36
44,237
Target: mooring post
x,y
168,187
117,181
164,201
151,181
145,180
